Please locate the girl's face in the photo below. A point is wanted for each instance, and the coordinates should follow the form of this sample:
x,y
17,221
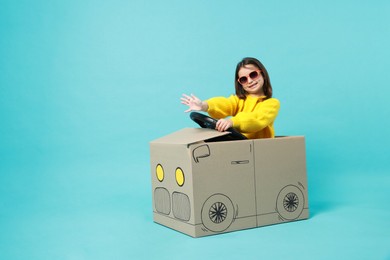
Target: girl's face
x,y
251,80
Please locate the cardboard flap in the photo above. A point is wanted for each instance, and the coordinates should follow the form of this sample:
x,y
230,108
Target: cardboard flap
x,y
189,136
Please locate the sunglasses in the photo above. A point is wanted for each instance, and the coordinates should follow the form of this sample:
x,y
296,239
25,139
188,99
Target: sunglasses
x,y
253,75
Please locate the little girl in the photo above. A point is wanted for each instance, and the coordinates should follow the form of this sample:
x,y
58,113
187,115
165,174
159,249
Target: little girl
x,y
252,111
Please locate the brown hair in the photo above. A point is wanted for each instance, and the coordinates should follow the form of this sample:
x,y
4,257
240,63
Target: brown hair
x,y
267,88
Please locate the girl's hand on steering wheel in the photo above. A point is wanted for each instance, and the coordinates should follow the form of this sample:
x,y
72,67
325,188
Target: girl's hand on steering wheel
x,y
224,124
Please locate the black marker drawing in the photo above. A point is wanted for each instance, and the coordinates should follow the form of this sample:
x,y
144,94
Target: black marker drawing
x,y
202,151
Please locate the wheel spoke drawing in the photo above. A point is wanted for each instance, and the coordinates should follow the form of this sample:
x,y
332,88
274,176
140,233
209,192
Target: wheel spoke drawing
x,y
291,202
218,212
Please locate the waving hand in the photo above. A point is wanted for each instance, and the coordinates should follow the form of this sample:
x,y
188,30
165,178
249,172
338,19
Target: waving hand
x,y
193,103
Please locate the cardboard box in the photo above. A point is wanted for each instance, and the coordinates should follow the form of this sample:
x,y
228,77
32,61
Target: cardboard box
x,y
202,187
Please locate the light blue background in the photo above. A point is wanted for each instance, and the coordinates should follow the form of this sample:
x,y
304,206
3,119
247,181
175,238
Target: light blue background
x,y
85,85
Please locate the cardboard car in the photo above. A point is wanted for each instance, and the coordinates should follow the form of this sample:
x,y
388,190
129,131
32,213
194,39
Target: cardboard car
x,y
204,186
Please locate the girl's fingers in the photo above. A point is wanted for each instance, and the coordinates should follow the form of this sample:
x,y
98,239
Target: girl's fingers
x,y
194,97
184,101
223,125
220,125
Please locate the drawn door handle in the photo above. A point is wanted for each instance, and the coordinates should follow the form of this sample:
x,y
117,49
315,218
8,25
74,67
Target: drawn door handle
x,y
240,162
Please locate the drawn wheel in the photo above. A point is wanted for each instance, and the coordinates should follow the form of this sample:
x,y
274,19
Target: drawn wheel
x,y
217,213
290,202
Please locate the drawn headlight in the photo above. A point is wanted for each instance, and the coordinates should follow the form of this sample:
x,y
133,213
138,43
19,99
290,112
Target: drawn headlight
x,y
160,172
179,177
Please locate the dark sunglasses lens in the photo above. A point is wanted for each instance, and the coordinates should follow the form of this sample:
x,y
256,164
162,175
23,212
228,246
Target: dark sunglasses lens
x,y
254,74
242,80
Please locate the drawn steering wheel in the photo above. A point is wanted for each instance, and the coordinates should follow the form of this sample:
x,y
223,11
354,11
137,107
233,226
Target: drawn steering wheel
x,y
209,122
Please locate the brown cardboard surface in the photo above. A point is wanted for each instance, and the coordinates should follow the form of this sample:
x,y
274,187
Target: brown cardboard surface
x,y
189,136
215,187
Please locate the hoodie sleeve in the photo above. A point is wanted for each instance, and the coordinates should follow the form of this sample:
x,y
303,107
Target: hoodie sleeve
x,y
221,107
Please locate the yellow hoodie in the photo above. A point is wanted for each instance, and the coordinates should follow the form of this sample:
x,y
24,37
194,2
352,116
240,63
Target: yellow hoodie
x,y
254,117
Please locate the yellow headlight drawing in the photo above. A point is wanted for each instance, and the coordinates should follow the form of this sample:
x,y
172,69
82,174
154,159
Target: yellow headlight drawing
x,y
160,172
180,177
